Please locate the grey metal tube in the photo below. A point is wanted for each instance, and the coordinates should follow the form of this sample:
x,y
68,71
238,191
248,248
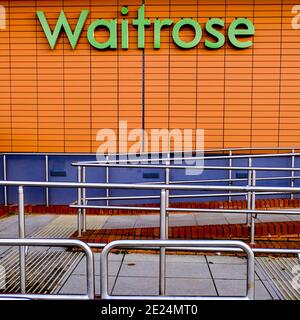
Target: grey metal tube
x,y
79,227
47,179
5,178
243,156
253,199
141,165
167,181
293,172
249,194
22,257
171,209
148,187
213,245
84,200
230,175
224,249
180,196
162,257
107,181
58,243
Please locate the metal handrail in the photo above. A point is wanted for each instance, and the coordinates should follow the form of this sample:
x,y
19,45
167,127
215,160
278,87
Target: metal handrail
x,y
145,186
230,157
214,245
54,243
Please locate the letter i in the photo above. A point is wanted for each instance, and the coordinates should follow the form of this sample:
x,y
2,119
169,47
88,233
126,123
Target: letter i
x,y
124,12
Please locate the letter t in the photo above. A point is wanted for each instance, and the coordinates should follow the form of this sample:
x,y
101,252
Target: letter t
x,y
141,22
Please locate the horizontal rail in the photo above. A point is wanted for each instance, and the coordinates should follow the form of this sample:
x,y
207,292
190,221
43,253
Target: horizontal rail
x,y
57,243
207,210
147,187
150,153
226,180
202,195
181,167
214,245
222,249
187,158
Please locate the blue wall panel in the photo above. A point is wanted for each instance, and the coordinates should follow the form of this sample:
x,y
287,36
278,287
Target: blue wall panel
x,y
32,168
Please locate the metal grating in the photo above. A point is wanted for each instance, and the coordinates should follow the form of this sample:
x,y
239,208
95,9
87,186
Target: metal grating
x,y
279,273
46,269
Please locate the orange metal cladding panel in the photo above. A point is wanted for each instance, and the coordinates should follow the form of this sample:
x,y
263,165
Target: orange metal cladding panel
x,y
58,100
5,109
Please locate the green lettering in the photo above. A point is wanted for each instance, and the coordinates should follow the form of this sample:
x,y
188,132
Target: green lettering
x,y
111,25
62,23
141,22
233,32
198,33
158,25
215,33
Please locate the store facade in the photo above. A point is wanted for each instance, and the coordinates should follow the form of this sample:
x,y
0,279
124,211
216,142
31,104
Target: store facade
x,y
71,68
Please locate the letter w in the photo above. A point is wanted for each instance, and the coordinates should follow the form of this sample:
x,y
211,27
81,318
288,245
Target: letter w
x,y
62,23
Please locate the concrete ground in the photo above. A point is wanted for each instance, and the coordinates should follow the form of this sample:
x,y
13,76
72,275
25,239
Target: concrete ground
x,y
137,274
187,275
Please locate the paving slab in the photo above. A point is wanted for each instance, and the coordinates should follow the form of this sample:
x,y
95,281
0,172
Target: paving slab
x,y
226,259
209,218
188,270
140,268
190,286
113,266
182,220
235,287
120,222
136,286
76,284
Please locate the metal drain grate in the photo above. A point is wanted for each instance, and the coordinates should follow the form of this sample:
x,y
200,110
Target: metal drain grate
x,y
279,274
45,269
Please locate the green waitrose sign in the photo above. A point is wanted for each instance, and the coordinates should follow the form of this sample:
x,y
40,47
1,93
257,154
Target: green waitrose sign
x,y
239,28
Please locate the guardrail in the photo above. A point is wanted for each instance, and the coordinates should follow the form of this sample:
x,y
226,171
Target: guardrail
x,y
51,243
185,245
164,205
213,245
231,156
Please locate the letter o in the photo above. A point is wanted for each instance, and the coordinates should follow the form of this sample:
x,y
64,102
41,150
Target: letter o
x,y
198,33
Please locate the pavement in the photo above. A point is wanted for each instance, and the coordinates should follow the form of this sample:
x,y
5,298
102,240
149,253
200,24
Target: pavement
x,y
137,274
186,275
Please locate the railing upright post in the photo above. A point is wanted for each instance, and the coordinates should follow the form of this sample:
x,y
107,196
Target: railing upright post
x,y
230,174
47,179
107,181
162,260
22,256
253,198
5,178
167,181
249,196
79,228
293,172
84,199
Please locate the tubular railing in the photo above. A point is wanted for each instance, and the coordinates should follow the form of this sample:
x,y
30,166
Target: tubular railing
x,y
291,152
196,244
164,205
52,243
203,246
